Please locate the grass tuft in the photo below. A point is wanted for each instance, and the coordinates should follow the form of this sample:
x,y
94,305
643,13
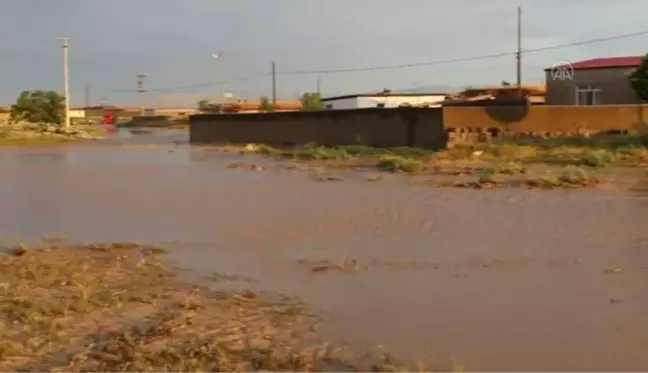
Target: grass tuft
x,y
396,163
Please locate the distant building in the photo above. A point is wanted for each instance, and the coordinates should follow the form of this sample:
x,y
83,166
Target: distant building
x,y
385,99
599,81
251,106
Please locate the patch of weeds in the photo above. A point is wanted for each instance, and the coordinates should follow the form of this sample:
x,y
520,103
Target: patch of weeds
x,y
577,177
545,181
245,166
512,151
597,158
509,168
345,265
571,177
486,180
320,177
394,163
322,153
375,178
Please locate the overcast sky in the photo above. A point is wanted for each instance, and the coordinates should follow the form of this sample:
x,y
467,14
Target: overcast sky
x,y
173,40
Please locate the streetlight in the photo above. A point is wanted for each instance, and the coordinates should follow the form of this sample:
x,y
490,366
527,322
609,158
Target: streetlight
x,y
218,56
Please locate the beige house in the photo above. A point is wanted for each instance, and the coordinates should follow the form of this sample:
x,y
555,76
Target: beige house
x,y
599,81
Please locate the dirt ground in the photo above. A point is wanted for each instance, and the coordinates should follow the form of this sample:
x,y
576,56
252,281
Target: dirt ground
x,y
119,307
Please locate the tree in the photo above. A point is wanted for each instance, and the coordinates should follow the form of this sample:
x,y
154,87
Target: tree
x,y
311,101
506,83
38,107
203,105
265,105
639,79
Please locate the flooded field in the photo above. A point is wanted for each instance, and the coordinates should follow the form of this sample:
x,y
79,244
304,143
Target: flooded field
x,y
505,279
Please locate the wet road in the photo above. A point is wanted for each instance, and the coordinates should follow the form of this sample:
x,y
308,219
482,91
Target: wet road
x,y
519,281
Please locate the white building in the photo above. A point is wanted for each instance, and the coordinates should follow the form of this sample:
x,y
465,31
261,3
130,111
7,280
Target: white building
x,y
383,100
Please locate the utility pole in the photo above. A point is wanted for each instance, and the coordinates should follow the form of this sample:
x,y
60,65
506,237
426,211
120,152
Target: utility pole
x,y
66,79
87,96
274,84
142,91
319,85
519,47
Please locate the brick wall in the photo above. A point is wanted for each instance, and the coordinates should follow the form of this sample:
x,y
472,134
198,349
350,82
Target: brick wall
x,y
378,127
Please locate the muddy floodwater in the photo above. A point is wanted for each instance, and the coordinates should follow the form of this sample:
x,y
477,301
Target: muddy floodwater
x,y
506,279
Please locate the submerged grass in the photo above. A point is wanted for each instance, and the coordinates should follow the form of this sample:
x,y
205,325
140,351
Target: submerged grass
x,y
509,156
395,163
119,307
571,177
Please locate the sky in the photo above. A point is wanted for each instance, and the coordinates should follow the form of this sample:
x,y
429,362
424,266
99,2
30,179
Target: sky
x,y
172,41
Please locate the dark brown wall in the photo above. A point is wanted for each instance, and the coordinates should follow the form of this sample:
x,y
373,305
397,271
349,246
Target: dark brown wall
x,y
418,127
613,82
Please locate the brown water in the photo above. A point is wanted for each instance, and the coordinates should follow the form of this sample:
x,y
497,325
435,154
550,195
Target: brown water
x,y
519,282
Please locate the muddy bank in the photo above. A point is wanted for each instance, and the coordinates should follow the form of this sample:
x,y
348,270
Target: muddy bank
x,y
554,164
119,307
39,133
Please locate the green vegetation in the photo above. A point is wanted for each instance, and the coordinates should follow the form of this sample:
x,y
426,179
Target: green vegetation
x,y
18,140
639,79
38,107
509,168
571,177
318,152
311,101
202,105
595,152
265,105
505,157
518,162
395,163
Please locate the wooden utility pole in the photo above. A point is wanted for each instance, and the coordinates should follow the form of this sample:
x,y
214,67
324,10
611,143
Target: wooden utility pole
x,y
274,84
519,47
87,96
142,91
66,78
319,86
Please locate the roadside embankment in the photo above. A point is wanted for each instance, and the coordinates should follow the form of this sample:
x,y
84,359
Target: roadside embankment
x,y
41,134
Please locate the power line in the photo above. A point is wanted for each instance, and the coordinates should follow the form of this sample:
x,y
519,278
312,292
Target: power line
x,y
393,67
463,59
194,86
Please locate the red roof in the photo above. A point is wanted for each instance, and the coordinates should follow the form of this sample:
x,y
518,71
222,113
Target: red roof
x,y
608,62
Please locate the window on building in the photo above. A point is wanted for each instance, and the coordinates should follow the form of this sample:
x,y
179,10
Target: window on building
x,y
588,95
380,105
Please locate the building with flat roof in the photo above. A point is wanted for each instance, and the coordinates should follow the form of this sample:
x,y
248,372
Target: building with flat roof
x,y
385,99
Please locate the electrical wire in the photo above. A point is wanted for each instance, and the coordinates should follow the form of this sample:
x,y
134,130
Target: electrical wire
x,y
400,66
464,59
201,85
